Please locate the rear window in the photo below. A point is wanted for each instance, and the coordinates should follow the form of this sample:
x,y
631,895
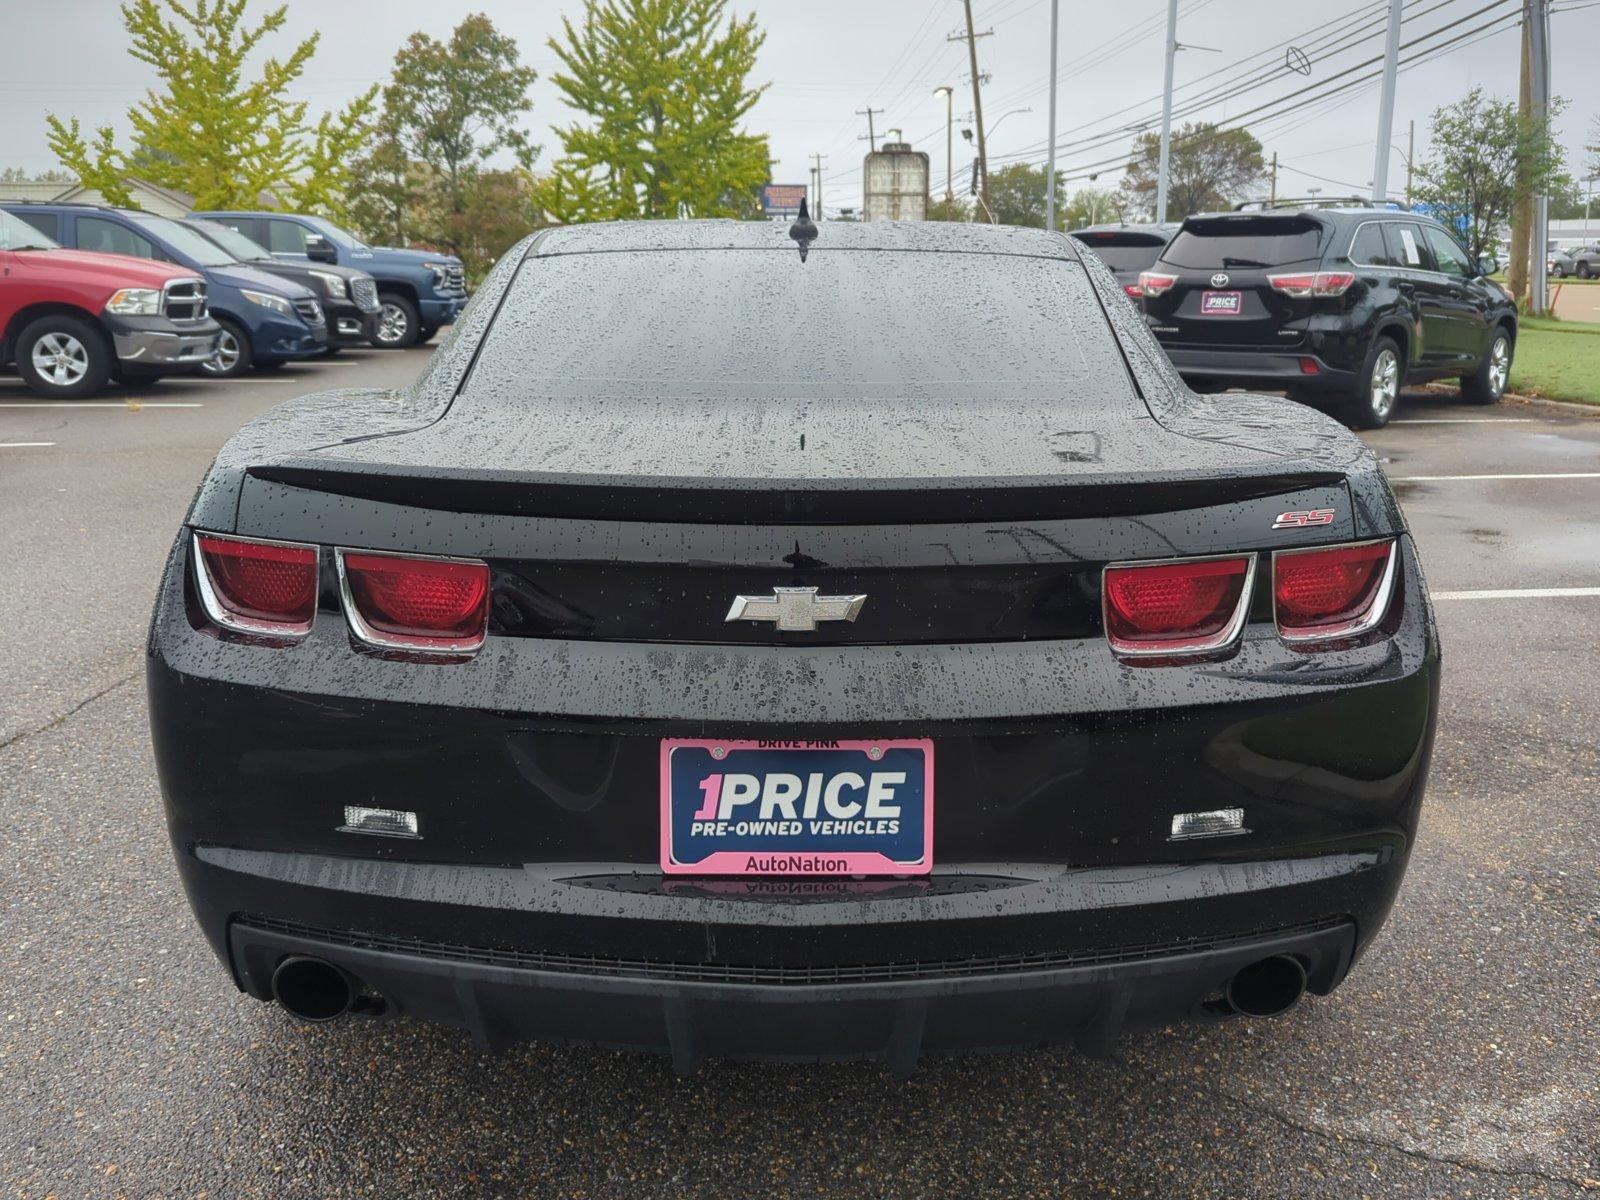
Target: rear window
x,y
1123,251
1245,242
632,327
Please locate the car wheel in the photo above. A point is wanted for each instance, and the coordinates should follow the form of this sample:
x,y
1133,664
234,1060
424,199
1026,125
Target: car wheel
x,y
63,357
1377,389
1585,270
1488,383
398,323
234,354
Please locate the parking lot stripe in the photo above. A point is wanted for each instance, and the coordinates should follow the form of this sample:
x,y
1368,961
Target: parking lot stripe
x,y
1518,594
1455,478
128,404
1466,421
22,445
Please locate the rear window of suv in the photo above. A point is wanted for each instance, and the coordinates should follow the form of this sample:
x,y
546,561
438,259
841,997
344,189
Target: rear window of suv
x,y
1252,241
1124,251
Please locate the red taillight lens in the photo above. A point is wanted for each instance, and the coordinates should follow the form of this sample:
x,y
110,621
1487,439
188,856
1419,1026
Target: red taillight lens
x,y
1336,592
1313,283
1176,608
436,604
1133,289
257,587
1154,283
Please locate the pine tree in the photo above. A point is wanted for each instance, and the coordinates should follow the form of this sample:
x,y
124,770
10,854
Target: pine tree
x,y
664,83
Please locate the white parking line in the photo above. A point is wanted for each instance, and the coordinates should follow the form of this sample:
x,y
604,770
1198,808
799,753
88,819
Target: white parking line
x,y
1519,594
1455,478
22,445
1465,421
128,404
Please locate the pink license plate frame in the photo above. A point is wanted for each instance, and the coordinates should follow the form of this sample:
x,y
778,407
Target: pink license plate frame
x,y
1221,304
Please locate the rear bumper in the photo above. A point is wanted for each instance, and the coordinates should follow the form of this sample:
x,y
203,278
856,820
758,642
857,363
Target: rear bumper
x,y
1271,369
503,999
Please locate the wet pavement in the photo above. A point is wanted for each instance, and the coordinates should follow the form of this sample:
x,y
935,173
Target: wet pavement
x,y
1460,1060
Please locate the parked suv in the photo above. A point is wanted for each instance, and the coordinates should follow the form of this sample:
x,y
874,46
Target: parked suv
x,y
1343,305
349,297
72,322
1582,261
1127,249
420,290
266,321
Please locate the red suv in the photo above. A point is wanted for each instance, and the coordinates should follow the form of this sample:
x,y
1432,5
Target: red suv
x,y
72,321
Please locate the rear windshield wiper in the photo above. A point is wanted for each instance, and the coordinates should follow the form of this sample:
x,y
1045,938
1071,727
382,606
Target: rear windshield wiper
x,y
1242,262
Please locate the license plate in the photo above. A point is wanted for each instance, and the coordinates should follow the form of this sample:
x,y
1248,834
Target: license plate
x,y
1216,304
796,807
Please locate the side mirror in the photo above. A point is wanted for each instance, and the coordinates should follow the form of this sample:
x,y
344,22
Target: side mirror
x,y
1488,265
318,249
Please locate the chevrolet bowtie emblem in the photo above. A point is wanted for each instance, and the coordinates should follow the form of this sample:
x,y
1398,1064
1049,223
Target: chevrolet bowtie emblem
x,y
795,610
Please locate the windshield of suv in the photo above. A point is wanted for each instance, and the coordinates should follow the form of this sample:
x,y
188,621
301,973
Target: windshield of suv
x,y
191,243
336,235
1232,242
231,240
17,234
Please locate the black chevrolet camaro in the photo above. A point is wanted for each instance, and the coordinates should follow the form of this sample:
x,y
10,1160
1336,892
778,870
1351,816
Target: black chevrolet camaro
x,y
867,651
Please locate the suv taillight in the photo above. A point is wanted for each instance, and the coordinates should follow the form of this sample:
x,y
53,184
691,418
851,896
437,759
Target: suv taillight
x,y
1313,283
255,586
1177,607
401,602
1331,592
1154,283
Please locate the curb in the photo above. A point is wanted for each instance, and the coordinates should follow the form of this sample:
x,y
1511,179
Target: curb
x,y
1564,407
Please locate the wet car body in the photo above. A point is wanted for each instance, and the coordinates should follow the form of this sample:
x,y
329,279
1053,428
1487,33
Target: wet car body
x,y
621,485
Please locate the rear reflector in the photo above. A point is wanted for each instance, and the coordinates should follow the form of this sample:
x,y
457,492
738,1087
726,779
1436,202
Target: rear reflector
x,y
1187,606
1333,592
1154,283
400,602
1310,366
255,586
1313,283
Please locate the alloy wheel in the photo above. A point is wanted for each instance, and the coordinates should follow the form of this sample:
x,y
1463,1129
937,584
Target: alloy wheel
x,y
60,359
1499,366
391,324
1385,383
226,357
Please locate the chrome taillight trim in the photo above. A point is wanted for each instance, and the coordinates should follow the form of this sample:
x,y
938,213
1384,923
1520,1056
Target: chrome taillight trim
x,y
219,614
365,633
1367,622
1224,639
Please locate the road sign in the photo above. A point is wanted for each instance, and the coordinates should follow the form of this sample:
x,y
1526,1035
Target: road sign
x,y
782,199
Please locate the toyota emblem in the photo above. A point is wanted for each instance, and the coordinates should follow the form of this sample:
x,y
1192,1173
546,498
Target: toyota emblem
x,y
1220,279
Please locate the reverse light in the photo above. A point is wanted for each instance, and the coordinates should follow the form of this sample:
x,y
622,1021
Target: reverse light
x,y
135,302
1178,606
1331,592
1313,283
403,602
1154,283
255,586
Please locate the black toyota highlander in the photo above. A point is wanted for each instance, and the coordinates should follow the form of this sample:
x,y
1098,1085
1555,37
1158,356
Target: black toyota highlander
x,y
1342,306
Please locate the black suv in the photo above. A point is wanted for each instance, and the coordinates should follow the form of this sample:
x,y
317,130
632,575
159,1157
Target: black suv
x,y
1127,249
1339,304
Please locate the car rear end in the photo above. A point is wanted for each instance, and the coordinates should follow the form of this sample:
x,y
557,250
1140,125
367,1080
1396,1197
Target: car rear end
x,y
1257,299
434,737
1128,250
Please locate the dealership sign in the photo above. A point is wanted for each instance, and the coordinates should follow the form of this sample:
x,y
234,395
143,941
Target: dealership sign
x,y
782,199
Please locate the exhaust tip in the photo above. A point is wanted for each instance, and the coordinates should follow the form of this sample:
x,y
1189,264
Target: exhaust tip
x,y
1268,988
310,989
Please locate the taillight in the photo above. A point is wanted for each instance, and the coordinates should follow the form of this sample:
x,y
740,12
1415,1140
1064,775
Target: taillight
x,y
1133,289
1180,607
1313,283
256,586
437,605
1331,592
1154,283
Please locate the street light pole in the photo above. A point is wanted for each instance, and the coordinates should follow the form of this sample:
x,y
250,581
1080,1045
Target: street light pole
x,y
1537,13
1391,61
949,146
1050,169
1166,114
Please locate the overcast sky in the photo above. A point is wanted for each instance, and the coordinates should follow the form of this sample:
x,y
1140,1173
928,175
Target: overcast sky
x,y
826,58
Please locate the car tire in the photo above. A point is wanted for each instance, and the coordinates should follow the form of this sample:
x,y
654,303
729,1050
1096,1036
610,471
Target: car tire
x,y
1558,272
1488,383
1585,271
398,323
1377,389
426,334
235,355
63,357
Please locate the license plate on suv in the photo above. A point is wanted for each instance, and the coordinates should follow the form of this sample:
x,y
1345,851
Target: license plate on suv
x,y
796,807
1221,304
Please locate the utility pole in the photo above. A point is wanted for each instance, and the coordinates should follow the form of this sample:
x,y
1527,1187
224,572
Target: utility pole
x,y
1411,157
816,211
1391,62
1050,169
1538,16
1273,199
1166,114
869,112
1522,213
971,39
947,91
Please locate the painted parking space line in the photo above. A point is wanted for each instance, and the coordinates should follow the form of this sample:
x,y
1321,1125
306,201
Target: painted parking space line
x,y
1519,593
23,445
1466,421
130,405
1466,478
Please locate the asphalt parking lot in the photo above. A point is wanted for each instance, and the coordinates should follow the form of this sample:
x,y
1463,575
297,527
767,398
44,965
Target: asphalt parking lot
x,y
1462,1059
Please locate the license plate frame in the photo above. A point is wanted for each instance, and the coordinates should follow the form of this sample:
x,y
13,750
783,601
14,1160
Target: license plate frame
x,y
760,854
1221,304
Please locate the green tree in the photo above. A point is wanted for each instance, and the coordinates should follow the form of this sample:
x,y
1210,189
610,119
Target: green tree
x,y
1017,194
210,129
1210,168
957,208
1090,206
388,187
664,85
1483,160
453,104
